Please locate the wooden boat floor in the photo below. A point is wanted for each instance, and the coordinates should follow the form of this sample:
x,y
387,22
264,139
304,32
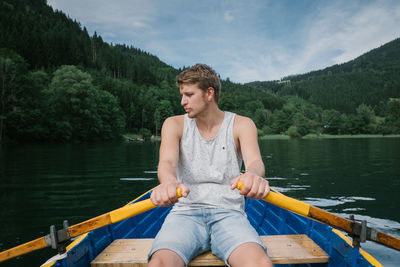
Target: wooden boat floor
x,y
282,249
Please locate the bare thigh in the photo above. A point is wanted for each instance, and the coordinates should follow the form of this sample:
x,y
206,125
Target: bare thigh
x,y
249,255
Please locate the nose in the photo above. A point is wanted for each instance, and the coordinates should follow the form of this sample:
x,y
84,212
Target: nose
x,y
183,101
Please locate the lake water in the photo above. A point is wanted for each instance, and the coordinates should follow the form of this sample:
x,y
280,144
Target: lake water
x,y
45,184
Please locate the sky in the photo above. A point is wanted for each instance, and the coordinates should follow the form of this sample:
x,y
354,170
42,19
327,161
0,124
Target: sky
x,y
249,40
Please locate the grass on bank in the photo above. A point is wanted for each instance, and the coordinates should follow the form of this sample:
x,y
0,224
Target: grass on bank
x,y
327,136
139,137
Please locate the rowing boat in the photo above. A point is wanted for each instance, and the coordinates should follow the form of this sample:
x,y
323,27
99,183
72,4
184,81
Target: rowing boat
x,y
268,219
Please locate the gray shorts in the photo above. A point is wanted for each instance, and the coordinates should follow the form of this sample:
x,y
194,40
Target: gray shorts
x,y
192,232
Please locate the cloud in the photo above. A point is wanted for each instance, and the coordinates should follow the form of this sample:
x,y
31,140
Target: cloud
x,y
368,29
228,17
331,36
338,35
110,19
256,40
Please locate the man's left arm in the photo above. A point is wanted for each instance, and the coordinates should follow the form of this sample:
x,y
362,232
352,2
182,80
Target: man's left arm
x,y
254,183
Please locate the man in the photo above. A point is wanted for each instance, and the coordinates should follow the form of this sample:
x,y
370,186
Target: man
x,y
201,152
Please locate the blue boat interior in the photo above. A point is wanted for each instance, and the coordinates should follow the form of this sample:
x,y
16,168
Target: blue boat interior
x,y
266,218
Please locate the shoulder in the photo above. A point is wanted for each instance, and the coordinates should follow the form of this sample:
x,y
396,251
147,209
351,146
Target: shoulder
x,y
245,136
242,123
175,120
244,126
173,125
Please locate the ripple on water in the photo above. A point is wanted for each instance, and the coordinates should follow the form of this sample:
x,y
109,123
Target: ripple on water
x,y
137,179
276,178
334,201
291,188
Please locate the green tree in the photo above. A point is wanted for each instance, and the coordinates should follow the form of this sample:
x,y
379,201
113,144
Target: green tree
x,y
260,117
26,121
227,102
79,110
12,67
391,123
157,120
331,121
281,121
163,111
352,124
253,105
112,119
293,132
301,123
366,117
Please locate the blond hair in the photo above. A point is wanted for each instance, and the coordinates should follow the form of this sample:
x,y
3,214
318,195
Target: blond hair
x,y
202,75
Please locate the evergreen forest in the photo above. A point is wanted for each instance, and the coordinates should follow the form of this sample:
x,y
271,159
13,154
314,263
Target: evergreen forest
x,y
59,84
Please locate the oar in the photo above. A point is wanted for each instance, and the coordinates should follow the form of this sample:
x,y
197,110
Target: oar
x,y
346,225
84,227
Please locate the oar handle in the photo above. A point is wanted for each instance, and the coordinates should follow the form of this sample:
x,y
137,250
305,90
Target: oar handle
x,y
283,201
139,207
179,192
114,216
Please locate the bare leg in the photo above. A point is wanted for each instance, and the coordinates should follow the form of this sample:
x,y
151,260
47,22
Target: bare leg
x,y
166,258
249,255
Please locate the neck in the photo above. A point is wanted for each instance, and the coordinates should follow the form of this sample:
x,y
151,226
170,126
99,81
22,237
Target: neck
x,y
210,118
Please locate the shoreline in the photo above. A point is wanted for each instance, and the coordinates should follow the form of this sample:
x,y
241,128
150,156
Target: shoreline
x,y
128,137
327,136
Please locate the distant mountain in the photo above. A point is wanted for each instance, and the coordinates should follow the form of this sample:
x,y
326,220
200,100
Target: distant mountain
x,y
368,79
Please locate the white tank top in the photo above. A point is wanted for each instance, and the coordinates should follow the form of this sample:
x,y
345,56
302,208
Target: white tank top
x,y
208,166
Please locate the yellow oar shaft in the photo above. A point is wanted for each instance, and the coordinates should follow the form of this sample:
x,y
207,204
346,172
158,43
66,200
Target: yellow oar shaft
x,y
308,210
23,249
110,217
81,228
84,227
321,215
288,203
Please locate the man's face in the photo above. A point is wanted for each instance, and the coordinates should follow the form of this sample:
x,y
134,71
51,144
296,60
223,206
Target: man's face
x,y
193,99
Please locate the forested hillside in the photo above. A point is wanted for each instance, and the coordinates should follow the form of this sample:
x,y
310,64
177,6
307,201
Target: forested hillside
x,y
42,100
60,84
370,79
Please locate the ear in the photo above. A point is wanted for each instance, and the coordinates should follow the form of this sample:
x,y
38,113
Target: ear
x,y
210,93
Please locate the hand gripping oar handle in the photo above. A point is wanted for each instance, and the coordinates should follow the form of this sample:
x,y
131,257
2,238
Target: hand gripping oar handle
x,y
84,227
349,226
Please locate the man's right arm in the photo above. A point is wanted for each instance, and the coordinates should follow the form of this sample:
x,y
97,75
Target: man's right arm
x,y
165,193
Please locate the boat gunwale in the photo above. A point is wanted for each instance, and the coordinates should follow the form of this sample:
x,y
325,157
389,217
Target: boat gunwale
x,y
368,257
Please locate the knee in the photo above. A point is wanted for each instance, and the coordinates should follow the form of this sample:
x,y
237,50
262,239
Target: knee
x,y
258,262
263,261
159,262
249,255
165,258
156,261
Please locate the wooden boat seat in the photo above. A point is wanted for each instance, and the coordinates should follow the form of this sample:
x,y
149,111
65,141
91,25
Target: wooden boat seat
x,y
282,249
